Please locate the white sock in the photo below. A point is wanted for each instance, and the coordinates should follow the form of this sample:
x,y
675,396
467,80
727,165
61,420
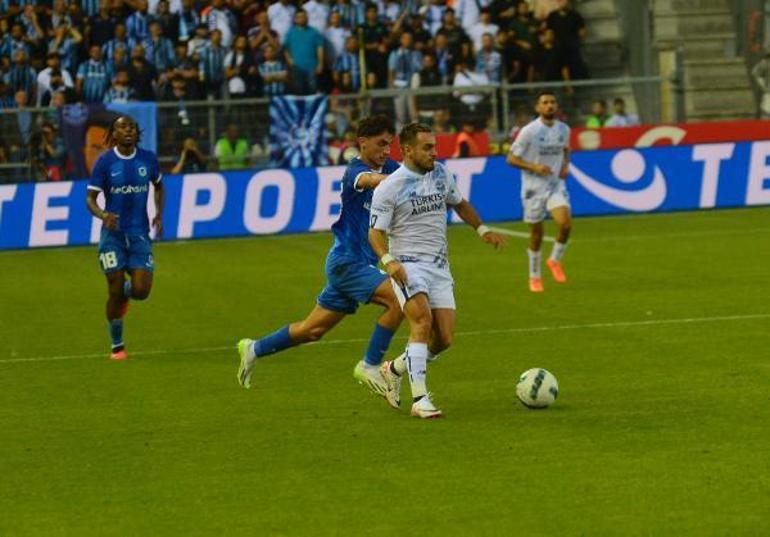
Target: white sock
x,y
534,263
399,364
558,250
416,362
370,368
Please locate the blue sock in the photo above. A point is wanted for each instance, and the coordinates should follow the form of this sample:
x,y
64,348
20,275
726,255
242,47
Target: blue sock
x,y
378,344
127,289
116,333
275,342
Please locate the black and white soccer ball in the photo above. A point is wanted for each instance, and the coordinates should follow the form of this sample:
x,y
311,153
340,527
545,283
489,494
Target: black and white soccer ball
x,y
537,388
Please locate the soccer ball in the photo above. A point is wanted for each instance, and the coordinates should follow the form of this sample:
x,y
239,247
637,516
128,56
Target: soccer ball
x,y
537,388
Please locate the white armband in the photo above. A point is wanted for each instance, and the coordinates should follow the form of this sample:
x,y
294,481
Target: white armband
x,y
387,258
482,230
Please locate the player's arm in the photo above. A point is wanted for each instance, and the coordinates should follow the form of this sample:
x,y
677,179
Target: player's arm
x,y
470,216
564,172
110,219
534,167
368,181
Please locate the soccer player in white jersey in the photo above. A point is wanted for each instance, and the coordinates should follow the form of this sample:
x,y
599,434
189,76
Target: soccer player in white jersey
x,y
408,221
541,151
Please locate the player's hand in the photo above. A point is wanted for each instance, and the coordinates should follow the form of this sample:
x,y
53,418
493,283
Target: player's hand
x,y
495,239
396,271
542,169
110,221
157,224
564,173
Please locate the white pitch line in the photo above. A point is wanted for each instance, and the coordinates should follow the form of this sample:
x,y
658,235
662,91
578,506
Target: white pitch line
x,y
532,329
520,234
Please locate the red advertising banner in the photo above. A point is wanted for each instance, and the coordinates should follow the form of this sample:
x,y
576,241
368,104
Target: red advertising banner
x,y
681,134
446,145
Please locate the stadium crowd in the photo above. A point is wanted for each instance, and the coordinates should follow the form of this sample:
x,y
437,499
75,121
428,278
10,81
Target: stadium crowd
x,y
113,51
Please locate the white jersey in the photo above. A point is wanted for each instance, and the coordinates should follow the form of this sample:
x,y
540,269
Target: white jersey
x,y
540,144
412,208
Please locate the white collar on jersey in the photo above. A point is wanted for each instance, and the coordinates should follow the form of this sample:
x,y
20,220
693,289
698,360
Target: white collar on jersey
x,y
129,157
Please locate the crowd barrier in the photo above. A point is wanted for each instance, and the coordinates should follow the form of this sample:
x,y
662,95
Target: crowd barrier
x,y
631,180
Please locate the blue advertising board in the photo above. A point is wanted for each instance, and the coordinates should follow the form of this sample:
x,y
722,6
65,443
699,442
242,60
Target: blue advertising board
x,y
207,205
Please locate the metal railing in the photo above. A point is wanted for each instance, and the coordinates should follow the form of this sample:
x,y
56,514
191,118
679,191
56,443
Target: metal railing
x,y
497,108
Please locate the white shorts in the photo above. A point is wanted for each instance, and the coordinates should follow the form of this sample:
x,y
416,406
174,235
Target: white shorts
x,y
434,281
537,203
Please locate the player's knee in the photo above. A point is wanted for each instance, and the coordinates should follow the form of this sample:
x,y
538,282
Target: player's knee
x,y
565,226
139,292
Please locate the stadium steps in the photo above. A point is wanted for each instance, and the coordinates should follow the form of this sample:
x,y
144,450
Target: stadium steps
x,y
717,84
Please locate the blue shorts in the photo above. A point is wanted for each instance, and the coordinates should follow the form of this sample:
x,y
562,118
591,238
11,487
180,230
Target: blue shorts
x,y
349,282
121,251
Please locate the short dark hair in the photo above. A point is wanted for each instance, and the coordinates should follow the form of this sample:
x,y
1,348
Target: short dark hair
x,y
408,135
374,126
544,92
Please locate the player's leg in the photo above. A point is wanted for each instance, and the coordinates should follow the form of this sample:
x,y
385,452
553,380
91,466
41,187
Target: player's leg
x,y
442,333
140,267
312,328
115,308
534,214
558,205
140,284
417,311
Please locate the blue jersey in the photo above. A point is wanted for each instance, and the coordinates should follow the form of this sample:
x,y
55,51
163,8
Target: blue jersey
x,y
351,231
125,183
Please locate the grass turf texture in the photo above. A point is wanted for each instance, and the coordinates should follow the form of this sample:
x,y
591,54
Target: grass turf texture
x,y
660,428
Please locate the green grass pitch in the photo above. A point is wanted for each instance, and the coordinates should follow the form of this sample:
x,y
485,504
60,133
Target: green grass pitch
x,y
660,341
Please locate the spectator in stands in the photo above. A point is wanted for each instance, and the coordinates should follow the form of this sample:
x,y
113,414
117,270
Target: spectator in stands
x,y
469,12
232,150
138,23
185,21
550,60
445,60
503,13
168,22
317,14
6,96
101,28
92,79
121,40
434,15
569,28
420,35
375,37
524,26
442,123
235,68
484,26
142,74
598,115
198,42
761,75
192,160
48,153
619,117
428,76
403,63
348,63
24,122
21,77
177,91
273,73
458,42
33,32
219,17
119,61
304,54
120,91
465,145
510,58
58,17
187,68
52,79
471,106
351,12
336,35
159,50
281,14
261,35
488,60
212,65
15,40
65,41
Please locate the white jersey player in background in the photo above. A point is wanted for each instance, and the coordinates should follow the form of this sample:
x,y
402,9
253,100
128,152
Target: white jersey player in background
x,y
408,232
541,150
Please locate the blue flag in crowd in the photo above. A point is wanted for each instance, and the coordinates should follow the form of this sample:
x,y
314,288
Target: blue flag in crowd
x,y
297,134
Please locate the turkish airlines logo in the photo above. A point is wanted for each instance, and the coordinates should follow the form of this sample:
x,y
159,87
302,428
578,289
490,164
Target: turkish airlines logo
x,y
628,166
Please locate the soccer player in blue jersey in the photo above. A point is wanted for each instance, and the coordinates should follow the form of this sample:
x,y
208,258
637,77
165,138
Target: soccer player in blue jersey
x,y
123,175
351,268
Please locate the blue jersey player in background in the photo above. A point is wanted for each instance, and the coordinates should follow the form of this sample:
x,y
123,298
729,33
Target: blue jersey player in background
x,y
123,175
351,268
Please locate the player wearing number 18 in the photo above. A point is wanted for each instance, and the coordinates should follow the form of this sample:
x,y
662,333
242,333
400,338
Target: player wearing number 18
x,y
123,175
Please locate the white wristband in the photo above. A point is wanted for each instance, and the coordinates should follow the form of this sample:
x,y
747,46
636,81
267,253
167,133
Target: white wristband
x,y
482,230
387,258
